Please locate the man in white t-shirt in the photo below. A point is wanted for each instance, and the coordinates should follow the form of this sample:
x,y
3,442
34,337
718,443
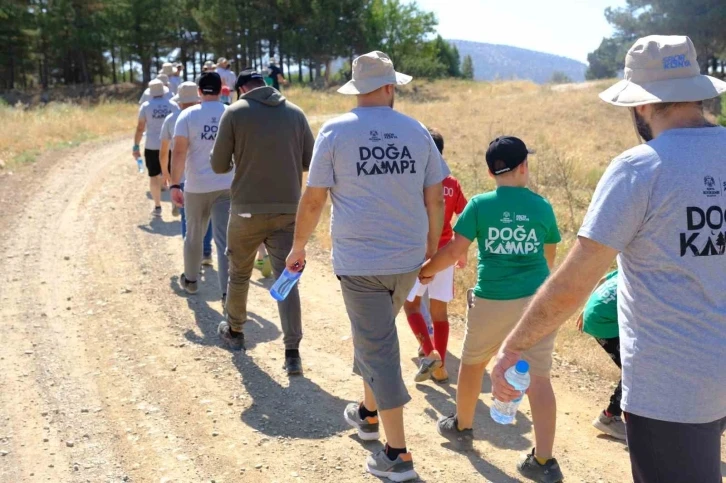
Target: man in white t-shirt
x,y
384,174
205,194
146,95
659,208
151,117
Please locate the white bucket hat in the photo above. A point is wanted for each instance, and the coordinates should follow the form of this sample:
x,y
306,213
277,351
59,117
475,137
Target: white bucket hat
x,y
167,68
662,68
156,88
163,78
373,71
187,93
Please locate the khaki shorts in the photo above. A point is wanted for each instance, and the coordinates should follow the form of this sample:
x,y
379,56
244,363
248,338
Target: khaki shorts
x,y
489,322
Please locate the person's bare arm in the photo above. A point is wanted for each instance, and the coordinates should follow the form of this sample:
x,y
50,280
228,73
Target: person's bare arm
x,y
434,201
446,257
140,127
307,219
554,303
550,253
164,158
178,164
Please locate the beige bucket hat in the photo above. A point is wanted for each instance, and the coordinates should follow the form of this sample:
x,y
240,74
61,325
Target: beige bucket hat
x,y
187,93
662,68
156,88
167,68
373,71
163,78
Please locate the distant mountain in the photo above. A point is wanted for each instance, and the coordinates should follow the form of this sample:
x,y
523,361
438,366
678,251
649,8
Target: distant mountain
x,y
493,61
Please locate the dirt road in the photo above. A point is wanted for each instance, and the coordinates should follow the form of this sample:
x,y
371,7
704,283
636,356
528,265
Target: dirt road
x,y
109,373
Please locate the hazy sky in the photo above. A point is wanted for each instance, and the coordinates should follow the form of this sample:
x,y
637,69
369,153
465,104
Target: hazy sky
x,y
571,28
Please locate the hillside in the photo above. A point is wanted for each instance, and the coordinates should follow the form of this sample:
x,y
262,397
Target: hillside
x,y
493,61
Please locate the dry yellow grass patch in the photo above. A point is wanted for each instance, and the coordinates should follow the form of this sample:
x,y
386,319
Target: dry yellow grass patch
x,y
29,132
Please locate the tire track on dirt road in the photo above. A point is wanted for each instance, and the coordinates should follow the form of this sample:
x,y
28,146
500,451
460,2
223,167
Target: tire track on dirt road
x,y
110,374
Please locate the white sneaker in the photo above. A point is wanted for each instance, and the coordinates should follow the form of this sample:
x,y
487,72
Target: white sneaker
x,y
610,425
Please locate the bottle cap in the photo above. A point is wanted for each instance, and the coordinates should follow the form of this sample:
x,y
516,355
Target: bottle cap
x,y
522,367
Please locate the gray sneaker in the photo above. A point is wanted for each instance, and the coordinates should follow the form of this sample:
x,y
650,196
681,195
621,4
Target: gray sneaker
x,y
156,212
187,286
463,439
400,469
233,342
367,428
549,472
428,366
207,260
610,425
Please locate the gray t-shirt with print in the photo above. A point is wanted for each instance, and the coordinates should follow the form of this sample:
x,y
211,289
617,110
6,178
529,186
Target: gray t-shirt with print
x,y
376,162
661,205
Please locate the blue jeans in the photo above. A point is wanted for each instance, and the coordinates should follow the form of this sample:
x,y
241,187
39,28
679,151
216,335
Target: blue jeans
x,y
207,244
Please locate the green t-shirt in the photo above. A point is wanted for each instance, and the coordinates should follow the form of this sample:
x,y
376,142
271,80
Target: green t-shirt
x,y
511,226
601,311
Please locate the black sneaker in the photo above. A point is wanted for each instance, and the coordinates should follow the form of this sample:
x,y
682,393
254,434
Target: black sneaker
x,y
234,342
463,439
549,472
187,285
293,366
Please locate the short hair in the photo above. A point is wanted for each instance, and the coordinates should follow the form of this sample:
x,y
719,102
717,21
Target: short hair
x,y
438,139
664,107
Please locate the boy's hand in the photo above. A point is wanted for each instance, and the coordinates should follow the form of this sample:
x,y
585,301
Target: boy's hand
x,y
461,263
580,321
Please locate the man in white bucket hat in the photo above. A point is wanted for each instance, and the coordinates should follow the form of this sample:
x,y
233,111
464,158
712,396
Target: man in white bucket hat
x,y
384,174
659,208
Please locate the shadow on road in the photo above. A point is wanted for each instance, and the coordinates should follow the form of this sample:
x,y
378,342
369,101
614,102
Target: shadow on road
x,y
157,226
442,398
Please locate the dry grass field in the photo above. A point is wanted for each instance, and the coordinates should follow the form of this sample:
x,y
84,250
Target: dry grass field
x,y
575,135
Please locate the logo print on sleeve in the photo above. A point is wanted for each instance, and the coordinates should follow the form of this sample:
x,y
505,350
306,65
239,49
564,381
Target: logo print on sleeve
x,y
388,160
704,236
711,188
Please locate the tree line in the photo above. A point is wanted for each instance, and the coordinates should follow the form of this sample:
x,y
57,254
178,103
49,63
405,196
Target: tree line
x,y
704,21
52,42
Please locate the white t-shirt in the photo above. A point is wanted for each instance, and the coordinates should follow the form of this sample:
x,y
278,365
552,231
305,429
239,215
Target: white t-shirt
x,y
228,77
167,131
154,112
199,124
146,96
174,82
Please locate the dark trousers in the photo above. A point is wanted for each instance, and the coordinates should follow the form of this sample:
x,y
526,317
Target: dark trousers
x,y
612,347
665,452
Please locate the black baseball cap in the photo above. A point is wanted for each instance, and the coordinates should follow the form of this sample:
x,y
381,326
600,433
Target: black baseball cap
x,y
245,76
505,154
210,83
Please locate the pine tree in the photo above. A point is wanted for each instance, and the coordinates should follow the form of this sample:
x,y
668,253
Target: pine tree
x,y
467,68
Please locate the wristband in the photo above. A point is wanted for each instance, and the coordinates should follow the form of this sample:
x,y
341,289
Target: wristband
x,y
175,186
136,147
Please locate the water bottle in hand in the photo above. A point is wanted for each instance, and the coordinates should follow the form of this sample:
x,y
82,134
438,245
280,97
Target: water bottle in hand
x,y
284,284
140,164
518,377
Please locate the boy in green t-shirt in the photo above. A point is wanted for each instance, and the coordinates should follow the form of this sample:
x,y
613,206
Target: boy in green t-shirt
x,y
516,231
600,320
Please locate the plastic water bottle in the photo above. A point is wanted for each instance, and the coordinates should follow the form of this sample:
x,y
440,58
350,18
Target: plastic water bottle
x,y
518,377
284,284
140,164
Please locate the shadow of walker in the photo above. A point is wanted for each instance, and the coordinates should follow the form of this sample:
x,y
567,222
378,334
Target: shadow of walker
x,y
157,226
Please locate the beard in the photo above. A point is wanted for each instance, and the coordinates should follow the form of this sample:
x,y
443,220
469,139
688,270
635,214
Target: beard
x,y
642,126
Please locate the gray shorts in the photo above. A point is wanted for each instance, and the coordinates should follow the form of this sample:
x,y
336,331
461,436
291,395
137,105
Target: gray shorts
x,y
372,303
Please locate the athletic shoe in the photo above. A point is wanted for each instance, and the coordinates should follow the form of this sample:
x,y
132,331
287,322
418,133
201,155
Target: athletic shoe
x,y
400,469
187,286
207,260
175,210
610,425
233,342
367,428
266,267
463,439
549,472
428,365
440,375
293,366
156,212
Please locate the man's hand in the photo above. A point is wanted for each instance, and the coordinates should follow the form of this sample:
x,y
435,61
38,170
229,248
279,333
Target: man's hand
x,y
136,154
296,260
177,196
165,178
463,260
501,389
580,323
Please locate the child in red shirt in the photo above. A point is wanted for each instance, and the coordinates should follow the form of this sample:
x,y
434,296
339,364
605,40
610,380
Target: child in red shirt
x,y
441,289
